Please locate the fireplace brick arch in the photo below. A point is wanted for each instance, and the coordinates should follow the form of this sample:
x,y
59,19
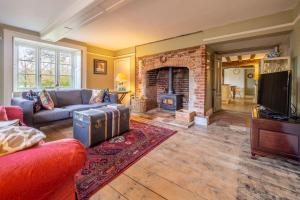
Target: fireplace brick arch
x,y
193,58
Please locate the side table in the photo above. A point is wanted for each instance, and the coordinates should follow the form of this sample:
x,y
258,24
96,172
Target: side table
x,y
122,95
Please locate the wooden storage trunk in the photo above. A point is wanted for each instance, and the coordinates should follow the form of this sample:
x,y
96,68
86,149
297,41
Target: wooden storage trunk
x,y
185,115
93,126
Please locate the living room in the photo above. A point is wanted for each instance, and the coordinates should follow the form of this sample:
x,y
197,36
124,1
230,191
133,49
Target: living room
x,y
163,99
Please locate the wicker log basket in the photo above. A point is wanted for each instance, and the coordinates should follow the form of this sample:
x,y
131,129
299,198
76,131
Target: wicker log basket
x,y
138,104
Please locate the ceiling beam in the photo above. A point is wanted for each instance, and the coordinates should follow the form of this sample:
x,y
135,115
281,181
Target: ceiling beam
x,y
78,14
241,63
244,66
60,26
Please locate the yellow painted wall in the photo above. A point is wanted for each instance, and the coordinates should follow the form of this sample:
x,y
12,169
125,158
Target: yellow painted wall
x,y
95,81
107,81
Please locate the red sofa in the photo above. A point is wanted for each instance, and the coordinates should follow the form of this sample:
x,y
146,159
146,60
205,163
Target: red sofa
x,y
43,172
14,112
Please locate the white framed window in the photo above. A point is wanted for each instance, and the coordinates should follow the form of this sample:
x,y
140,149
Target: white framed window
x,y
42,66
26,67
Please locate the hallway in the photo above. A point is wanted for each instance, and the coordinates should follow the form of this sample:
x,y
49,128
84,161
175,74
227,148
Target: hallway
x,y
243,105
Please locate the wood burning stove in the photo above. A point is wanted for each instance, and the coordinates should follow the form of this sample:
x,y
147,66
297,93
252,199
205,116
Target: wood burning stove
x,y
170,100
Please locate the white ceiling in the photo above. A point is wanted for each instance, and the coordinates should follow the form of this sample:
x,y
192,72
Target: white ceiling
x,y
141,21
144,21
31,14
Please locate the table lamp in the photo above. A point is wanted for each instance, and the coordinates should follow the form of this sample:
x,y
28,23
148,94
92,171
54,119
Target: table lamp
x,y
120,79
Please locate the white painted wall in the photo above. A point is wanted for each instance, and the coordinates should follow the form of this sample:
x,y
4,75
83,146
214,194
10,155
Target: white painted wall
x,y
122,65
235,79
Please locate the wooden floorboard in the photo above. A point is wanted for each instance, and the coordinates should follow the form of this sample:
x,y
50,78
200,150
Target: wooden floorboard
x,y
132,189
201,164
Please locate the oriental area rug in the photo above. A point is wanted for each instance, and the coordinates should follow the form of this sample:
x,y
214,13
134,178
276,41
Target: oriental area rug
x,y
109,159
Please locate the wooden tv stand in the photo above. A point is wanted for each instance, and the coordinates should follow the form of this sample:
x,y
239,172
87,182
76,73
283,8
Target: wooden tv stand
x,y
274,137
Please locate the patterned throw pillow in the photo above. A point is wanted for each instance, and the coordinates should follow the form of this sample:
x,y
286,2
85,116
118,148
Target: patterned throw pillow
x,y
46,100
33,96
3,115
16,138
106,97
97,96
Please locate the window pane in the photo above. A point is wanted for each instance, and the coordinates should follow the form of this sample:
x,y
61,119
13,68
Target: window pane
x,y
65,58
65,81
47,81
26,53
26,81
26,67
47,56
65,70
47,69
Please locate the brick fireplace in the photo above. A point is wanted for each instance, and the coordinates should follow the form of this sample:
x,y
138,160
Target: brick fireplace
x,y
157,85
189,77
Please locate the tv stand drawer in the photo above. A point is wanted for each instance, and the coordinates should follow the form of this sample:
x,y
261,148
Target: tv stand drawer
x,y
279,142
274,137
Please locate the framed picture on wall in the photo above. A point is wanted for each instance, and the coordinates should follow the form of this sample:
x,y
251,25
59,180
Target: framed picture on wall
x,y
100,66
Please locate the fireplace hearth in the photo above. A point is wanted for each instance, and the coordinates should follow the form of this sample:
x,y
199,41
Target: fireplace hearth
x,y
171,101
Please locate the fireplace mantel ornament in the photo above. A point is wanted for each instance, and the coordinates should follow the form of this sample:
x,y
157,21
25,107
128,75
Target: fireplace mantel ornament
x,y
163,59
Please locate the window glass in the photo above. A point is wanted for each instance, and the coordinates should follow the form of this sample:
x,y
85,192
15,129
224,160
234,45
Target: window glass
x,y
65,70
48,68
26,67
38,67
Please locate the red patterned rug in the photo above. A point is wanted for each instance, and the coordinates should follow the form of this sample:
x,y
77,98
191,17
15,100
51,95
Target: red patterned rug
x,y
107,160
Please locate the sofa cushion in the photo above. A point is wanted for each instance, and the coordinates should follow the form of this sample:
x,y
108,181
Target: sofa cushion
x,y
51,93
86,96
68,97
45,116
53,97
46,100
16,138
34,96
97,96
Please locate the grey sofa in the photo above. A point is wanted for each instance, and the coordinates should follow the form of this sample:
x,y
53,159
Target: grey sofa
x,y
65,102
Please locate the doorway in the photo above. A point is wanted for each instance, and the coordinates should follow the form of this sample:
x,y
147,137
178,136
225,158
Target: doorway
x,y
238,89
236,73
236,81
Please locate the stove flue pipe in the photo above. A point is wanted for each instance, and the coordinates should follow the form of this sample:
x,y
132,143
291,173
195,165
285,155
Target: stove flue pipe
x,y
170,85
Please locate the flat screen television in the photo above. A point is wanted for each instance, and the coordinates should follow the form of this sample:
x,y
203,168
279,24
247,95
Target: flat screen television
x,y
274,92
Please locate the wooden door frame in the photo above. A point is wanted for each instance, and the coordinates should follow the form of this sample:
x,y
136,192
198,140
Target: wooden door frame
x,y
217,58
